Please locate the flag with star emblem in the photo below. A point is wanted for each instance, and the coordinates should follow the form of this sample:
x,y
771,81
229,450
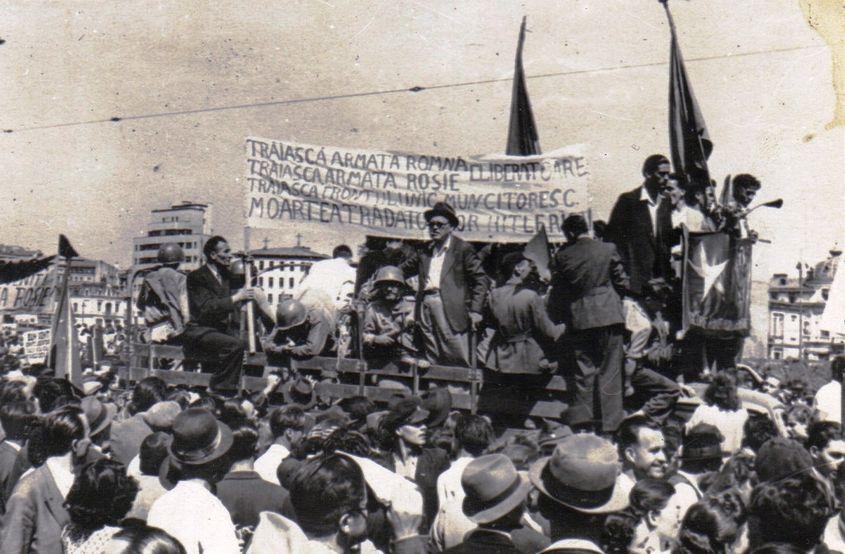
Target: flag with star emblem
x,y
717,283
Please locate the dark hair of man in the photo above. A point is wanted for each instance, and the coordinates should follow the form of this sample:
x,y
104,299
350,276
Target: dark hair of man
x,y
793,510
147,391
342,251
628,433
744,180
758,428
839,483
347,440
142,539
721,392
619,531
56,431
286,417
600,229
650,495
48,390
102,494
210,246
232,411
244,440
734,474
323,490
575,225
568,523
778,548
654,161
16,418
358,407
474,434
706,527
153,451
820,433
837,368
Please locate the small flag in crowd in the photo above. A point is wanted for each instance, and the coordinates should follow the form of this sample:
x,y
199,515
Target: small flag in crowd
x,y
688,139
522,131
537,250
717,283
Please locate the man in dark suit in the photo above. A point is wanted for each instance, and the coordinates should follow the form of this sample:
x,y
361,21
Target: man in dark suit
x,y
213,328
641,225
587,281
451,290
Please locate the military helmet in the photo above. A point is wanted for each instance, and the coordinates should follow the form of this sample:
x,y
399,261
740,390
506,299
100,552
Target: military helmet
x,y
290,313
170,253
390,274
238,269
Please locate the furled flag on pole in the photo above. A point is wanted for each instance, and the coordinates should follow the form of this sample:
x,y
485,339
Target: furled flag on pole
x,y
65,344
717,283
16,271
537,250
688,139
522,131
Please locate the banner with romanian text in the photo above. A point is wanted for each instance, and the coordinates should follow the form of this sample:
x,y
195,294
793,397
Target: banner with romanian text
x,y
497,198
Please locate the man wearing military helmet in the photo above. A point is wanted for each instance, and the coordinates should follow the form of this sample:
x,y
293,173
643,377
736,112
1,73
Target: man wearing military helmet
x,y
164,296
301,331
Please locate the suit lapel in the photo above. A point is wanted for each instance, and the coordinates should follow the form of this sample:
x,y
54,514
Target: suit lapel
x,y
644,216
53,499
218,285
449,259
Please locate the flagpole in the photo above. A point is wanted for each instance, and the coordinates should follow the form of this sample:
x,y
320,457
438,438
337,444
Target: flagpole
x,y
250,309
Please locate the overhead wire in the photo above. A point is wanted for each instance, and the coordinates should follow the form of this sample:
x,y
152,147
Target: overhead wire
x,y
363,94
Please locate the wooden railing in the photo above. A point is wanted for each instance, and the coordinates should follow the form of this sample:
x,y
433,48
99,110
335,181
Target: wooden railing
x,y
357,378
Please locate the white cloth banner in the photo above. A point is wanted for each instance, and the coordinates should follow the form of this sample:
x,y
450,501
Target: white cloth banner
x,y
497,198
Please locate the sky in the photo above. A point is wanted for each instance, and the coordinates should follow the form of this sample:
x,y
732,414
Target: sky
x,y
191,81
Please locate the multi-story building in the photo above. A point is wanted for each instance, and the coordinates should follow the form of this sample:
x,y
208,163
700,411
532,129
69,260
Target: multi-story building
x,y
279,270
13,253
795,313
187,224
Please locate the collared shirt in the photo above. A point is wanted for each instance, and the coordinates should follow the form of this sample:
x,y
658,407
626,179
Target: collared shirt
x,y
215,272
436,266
652,207
267,465
406,468
14,444
62,477
196,518
451,524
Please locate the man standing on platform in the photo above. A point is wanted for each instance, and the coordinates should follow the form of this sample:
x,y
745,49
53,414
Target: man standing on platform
x,y
214,326
639,223
587,281
451,289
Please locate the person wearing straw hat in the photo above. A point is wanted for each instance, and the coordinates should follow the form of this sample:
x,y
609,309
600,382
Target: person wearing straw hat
x,y
451,289
580,484
189,511
495,501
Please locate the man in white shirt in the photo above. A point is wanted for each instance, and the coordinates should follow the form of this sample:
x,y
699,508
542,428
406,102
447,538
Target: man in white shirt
x,y
189,511
287,424
828,400
335,277
473,435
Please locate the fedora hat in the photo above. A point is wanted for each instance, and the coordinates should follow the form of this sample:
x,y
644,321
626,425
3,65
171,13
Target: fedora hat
x,y
584,474
198,438
404,412
300,392
702,442
99,415
442,209
493,488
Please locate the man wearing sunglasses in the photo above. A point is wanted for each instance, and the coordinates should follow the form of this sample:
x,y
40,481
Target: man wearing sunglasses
x,y
451,289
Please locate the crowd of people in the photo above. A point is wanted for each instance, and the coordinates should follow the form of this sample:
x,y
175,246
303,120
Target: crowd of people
x,y
174,469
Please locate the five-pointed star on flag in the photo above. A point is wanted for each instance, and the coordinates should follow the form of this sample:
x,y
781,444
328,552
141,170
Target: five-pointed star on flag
x,y
709,271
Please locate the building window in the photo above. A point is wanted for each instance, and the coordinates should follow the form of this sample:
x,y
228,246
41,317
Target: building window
x,y
270,298
825,334
825,294
270,282
794,317
75,308
777,354
291,281
777,325
260,265
261,281
792,298
806,330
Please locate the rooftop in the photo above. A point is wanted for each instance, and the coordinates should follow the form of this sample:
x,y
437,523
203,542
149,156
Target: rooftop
x,y
288,252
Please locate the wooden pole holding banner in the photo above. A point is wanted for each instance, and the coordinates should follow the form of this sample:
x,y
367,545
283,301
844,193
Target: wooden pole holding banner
x,y
250,306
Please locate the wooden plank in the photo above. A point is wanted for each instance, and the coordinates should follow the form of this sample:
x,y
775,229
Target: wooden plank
x,y
324,363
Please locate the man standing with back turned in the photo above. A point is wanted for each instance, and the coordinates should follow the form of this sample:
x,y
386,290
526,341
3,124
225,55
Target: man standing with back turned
x,y
587,281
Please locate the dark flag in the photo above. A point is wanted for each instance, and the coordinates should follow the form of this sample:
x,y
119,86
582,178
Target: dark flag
x,y
689,142
16,271
717,283
65,344
537,250
522,131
